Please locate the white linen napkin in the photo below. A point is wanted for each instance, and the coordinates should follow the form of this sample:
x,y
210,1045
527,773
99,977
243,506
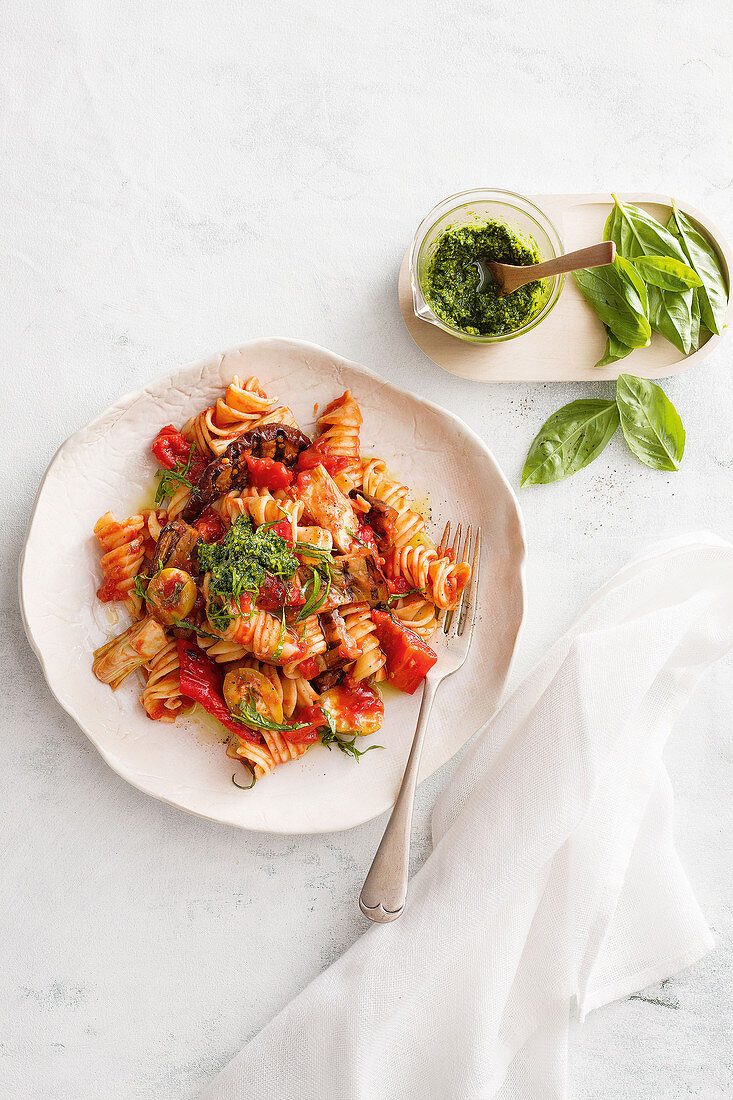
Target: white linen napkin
x,y
553,879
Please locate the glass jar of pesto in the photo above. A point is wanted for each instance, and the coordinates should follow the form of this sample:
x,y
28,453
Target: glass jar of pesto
x,y
496,225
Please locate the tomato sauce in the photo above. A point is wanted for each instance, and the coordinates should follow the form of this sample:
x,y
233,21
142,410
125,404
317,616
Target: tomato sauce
x,y
357,703
266,473
318,454
209,525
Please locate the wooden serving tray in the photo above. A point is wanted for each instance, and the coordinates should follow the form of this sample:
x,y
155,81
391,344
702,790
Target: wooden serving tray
x,y
566,344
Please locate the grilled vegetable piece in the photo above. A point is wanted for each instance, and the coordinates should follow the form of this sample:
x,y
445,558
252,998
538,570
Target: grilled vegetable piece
x,y
353,708
328,679
381,517
327,506
230,472
337,636
360,578
255,692
171,594
128,651
175,546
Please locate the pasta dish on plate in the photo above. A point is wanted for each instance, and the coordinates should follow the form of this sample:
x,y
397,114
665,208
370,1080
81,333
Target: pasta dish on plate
x,y
276,582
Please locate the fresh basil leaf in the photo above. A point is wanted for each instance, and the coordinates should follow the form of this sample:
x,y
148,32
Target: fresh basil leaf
x,y
703,258
570,439
606,289
636,233
664,272
613,351
628,272
650,423
670,314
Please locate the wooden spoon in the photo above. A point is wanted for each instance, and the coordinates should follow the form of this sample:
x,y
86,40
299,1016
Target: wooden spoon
x,y
506,278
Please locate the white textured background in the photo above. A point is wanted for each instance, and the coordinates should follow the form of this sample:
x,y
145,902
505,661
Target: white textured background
x,y
178,177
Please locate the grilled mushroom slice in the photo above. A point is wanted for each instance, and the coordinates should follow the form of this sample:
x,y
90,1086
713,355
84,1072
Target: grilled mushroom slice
x,y
175,546
228,473
381,517
337,636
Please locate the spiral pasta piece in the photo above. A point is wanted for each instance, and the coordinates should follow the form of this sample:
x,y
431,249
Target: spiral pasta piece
x,y
155,521
178,501
417,613
220,650
262,505
280,415
371,661
259,756
338,435
123,552
379,483
312,643
441,579
241,408
161,695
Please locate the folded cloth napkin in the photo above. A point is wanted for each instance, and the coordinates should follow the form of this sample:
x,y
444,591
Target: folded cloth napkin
x,y
553,880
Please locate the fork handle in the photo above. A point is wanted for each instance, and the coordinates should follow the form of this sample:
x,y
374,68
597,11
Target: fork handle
x,y
384,892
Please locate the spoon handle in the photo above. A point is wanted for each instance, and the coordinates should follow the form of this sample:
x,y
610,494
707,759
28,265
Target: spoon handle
x,y
597,255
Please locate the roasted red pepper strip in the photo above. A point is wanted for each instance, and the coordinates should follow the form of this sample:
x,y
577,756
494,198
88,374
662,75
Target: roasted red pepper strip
x,y
409,658
169,447
201,681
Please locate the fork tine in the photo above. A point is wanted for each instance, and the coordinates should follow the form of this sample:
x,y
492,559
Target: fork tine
x,y
456,549
472,586
444,539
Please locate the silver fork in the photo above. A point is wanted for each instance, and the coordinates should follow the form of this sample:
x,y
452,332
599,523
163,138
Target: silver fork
x,y
384,892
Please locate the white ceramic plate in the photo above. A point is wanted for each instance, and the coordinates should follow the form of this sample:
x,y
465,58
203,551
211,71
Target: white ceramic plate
x,y
108,465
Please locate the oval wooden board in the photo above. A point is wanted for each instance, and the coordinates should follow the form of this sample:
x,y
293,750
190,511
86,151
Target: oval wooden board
x,y
571,339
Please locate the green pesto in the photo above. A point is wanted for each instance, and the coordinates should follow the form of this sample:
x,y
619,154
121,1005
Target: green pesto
x,y
241,562
450,282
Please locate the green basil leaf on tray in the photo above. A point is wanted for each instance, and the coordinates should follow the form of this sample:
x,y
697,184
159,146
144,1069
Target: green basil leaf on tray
x,y
636,233
703,258
627,270
650,423
670,314
615,302
613,351
570,439
667,273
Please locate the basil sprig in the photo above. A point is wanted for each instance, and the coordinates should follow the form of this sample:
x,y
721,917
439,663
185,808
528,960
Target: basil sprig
x,y
577,433
615,349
